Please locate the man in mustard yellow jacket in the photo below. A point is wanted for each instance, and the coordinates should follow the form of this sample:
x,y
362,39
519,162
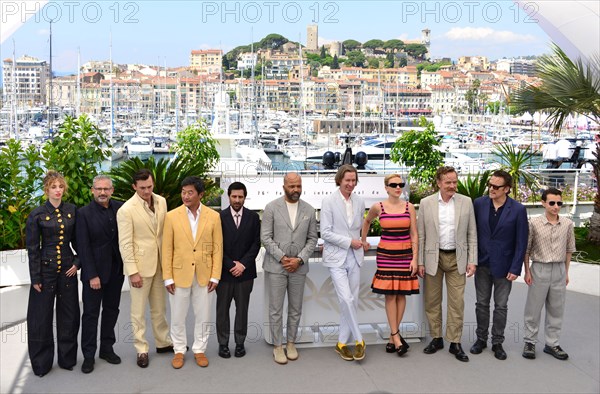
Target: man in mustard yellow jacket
x,y
192,255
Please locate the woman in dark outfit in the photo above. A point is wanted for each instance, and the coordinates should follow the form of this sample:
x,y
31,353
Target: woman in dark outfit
x,y
53,271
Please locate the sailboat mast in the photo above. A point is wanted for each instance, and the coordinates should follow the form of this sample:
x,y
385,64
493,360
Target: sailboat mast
x,y
112,99
50,115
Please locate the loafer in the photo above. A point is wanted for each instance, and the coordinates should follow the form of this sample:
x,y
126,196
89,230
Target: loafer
x,y
478,346
344,352
88,365
435,345
529,350
291,352
499,352
279,355
224,351
359,350
240,350
111,358
201,360
457,350
142,360
166,349
178,360
556,352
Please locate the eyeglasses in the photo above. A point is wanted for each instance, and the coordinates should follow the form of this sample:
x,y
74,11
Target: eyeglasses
x,y
495,187
395,185
103,189
559,203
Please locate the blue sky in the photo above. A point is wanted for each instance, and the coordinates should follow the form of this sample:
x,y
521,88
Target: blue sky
x,y
164,32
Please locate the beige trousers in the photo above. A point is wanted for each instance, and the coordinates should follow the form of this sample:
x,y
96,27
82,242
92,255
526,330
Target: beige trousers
x,y
455,291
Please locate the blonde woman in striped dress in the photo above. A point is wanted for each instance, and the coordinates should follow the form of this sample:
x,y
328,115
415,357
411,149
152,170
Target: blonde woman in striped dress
x,y
397,252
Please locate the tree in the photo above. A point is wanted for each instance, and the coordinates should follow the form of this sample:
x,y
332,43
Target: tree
x,y
417,51
475,185
355,59
336,63
373,62
323,53
196,144
472,96
373,44
272,41
403,62
389,60
77,151
567,87
420,151
514,162
394,44
350,45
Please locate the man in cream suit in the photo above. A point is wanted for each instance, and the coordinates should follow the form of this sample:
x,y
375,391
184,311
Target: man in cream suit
x,y
447,247
140,223
289,234
341,220
191,263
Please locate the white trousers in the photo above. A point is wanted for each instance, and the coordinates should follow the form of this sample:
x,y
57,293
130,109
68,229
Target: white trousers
x,y
346,280
201,301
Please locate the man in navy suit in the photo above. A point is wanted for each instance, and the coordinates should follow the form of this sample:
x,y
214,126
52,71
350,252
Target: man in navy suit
x,y
101,272
241,243
502,231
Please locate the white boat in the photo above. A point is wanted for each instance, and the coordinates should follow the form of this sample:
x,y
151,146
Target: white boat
x,y
139,147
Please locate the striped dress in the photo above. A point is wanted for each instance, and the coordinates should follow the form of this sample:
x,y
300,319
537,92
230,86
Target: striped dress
x,y
394,254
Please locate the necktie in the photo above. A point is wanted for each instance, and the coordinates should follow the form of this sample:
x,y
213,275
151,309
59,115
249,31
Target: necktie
x,y
237,220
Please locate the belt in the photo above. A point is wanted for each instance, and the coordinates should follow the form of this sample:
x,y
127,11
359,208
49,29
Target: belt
x,y
549,262
448,250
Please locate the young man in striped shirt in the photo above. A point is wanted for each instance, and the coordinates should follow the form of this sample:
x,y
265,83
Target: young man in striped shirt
x,y
550,246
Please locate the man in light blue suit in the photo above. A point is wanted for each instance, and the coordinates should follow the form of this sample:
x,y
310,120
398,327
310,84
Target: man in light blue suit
x,y
502,231
343,253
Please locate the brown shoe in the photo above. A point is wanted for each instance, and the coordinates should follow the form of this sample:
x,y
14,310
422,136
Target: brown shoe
x,y
291,352
178,360
142,360
201,360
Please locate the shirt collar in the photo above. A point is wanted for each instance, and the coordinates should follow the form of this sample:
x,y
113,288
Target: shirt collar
x,y
440,199
189,212
233,212
546,221
142,201
99,206
342,196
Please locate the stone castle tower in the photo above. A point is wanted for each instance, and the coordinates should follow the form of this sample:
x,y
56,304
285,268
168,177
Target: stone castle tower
x,y
312,38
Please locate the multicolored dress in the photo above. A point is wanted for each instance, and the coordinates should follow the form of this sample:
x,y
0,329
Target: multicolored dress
x,y
394,254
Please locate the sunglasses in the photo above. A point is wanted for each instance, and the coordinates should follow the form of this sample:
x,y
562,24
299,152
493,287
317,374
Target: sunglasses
x,y
559,203
495,187
395,185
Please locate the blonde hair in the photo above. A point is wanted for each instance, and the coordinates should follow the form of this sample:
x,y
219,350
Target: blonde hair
x,y
387,178
51,177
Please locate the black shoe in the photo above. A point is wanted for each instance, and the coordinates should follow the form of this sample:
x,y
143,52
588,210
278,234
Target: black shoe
x,y
499,353
435,345
88,365
556,352
240,350
166,349
111,357
478,346
67,368
457,350
142,360
224,351
404,343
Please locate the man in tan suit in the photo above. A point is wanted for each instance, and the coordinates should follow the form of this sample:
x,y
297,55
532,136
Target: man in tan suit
x,y
447,247
140,223
191,261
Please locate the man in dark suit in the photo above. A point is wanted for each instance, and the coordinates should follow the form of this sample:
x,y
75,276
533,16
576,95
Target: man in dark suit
x,y
241,243
502,231
101,272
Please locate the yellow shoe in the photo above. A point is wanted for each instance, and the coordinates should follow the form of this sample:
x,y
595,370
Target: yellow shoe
x,y
344,352
359,350
279,355
292,353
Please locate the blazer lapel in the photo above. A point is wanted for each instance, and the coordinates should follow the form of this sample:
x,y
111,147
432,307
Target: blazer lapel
x,y
184,221
457,209
342,207
282,208
201,226
144,215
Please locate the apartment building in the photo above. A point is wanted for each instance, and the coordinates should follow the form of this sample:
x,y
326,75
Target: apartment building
x,y
25,81
207,61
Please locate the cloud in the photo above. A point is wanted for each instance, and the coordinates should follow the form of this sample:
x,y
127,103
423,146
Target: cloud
x,y
43,32
488,34
325,41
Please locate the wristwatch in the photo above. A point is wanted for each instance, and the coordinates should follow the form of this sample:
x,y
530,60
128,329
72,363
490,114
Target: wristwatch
x,y
301,261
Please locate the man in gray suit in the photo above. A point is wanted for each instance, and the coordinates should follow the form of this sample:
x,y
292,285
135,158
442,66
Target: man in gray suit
x,y
341,220
447,247
289,234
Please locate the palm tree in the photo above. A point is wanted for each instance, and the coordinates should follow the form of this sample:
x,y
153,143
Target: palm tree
x,y
515,163
567,87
